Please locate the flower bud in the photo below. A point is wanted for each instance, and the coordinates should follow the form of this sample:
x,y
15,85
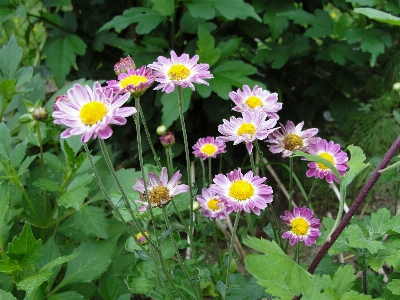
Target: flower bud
x,y
161,130
40,114
25,118
196,206
396,86
124,65
141,239
167,139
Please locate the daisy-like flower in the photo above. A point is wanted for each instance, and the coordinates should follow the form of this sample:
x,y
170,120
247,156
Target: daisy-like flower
x,y
179,71
258,99
208,147
160,190
211,204
89,112
242,192
305,227
291,138
333,154
252,126
132,81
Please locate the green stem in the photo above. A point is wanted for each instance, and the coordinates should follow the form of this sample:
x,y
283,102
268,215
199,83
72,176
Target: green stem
x,y
290,182
42,163
209,172
230,253
216,249
298,253
308,204
170,163
203,172
261,155
340,211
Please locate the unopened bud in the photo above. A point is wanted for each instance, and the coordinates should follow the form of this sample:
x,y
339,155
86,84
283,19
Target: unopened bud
x,y
141,239
124,65
396,86
161,130
40,114
167,139
25,118
196,206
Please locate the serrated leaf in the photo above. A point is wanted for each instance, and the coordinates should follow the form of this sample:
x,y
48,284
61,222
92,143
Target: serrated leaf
x,y
343,280
4,200
10,57
394,286
31,283
138,285
356,164
58,261
373,40
230,9
378,15
5,142
206,45
358,239
241,289
93,260
53,161
277,23
147,19
67,46
380,223
18,154
47,184
80,181
6,296
170,110
390,255
73,198
341,244
25,248
25,164
165,7
92,221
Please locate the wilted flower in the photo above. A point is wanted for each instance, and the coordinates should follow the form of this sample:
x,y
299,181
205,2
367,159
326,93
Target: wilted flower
x,y
211,204
124,65
208,147
167,139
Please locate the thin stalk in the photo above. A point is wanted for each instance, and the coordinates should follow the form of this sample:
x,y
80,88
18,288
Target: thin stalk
x,y
41,162
209,172
203,172
364,277
156,158
310,193
260,154
170,165
216,249
298,253
253,166
230,252
290,182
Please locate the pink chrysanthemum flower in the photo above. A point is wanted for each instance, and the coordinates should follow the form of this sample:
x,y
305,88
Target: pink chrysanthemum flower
x,y
242,192
132,81
252,126
211,204
291,138
160,190
333,154
305,227
208,147
124,65
179,71
258,99
89,112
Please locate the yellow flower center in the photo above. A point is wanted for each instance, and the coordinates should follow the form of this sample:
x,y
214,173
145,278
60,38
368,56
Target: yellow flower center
x,y
292,142
178,72
328,157
159,196
241,190
246,128
299,226
253,102
92,112
133,79
209,149
213,204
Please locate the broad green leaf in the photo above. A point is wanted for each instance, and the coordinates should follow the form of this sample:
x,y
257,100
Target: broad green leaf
x,y
343,280
396,116
92,221
373,40
93,260
6,296
139,285
395,224
394,286
230,9
165,7
9,266
80,181
31,283
66,296
378,15
380,223
206,47
25,248
4,199
23,167
356,164
53,161
47,184
18,154
147,19
239,288
23,75
10,57
5,142
73,198
7,89
170,110
58,261
111,286
277,23
358,239
390,255
67,46
339,52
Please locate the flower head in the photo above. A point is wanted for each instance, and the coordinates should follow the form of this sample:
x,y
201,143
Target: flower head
x,y
132,81
179,71
257,99
160,190
208,147
89,112
211,204
305,227
124,65
333,154
141,239
167,139
252,126
242,192
291,138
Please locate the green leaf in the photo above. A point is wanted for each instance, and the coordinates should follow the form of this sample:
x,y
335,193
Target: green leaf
x,y
390,255
66,296
147,19
25,164
73,198
5,142
93,260
343,280
358,239
165,7
4,199
10,57
170,110
396,116
373,40
229,9
341,244
379,223
18,154
47,184
394,286
241,289
339,52
206,45
80,181
6,296
356,164
139,285
53,161
67,46
25,248
58,261
31,283
276,22
378,15
92,221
